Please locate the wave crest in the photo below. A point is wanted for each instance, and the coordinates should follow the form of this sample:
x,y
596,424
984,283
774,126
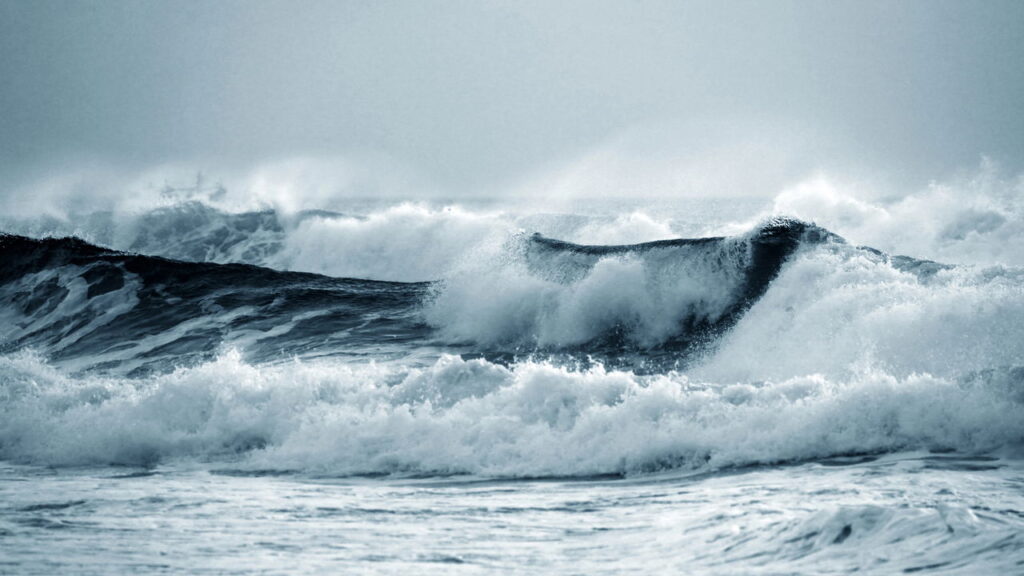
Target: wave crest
x,y
536,291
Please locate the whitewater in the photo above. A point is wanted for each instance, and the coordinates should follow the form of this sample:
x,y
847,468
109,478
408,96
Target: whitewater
x,y
814,382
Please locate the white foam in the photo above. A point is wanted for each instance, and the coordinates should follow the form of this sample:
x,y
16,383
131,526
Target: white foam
x,y
631,228
836,309
976,219
507,297
476,417
407,242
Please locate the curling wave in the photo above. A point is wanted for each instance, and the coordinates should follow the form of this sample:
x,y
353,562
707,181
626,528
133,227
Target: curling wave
x,y
540,292
91,307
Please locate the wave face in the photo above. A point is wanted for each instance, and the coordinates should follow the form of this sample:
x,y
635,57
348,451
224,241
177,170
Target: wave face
x,y
460,416
90,307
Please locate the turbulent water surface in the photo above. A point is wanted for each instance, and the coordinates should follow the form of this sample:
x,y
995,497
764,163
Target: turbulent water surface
x,y
816,386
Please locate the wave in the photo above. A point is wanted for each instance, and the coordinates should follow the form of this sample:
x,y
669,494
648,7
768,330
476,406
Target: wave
x,y
540,292
472,416
191,230
783,300
651,306
90,307
406,242
820,348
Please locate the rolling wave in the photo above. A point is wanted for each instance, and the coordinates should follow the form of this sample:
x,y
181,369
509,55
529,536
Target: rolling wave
x,y
796,345
663,295
90,307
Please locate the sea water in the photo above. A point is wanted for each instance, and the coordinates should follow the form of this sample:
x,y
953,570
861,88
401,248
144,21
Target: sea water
x,y
810,383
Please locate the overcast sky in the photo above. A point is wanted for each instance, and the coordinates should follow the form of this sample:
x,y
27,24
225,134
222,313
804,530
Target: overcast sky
x,y
475,96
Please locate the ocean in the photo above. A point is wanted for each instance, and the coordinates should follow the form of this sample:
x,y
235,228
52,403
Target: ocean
x,y
807,384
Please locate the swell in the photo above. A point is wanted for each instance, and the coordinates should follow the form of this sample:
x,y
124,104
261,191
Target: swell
x,y
91,307
405,242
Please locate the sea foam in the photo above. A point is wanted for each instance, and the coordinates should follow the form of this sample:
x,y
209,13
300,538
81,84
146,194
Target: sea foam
x,y
459,416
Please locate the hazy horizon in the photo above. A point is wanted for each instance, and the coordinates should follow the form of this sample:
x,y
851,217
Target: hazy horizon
x,y
494,98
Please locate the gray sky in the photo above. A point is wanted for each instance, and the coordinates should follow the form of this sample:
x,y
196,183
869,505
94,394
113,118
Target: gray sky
x,y
474,96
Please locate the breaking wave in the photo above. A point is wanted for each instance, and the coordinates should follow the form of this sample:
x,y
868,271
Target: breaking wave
x,y
819,348
490,339
91,307
541,292
459,416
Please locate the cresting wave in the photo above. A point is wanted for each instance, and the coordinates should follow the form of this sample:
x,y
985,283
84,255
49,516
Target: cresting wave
x,y
405,242
823,349
91,307
671,294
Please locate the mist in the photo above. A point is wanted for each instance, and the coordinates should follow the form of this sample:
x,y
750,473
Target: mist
x,y
506,98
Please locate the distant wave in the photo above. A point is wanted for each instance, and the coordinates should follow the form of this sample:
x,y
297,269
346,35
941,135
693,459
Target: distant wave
x,y
190,230
406,242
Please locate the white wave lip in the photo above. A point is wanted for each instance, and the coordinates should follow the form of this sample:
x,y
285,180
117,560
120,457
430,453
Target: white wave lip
x,y
406,243
513,297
